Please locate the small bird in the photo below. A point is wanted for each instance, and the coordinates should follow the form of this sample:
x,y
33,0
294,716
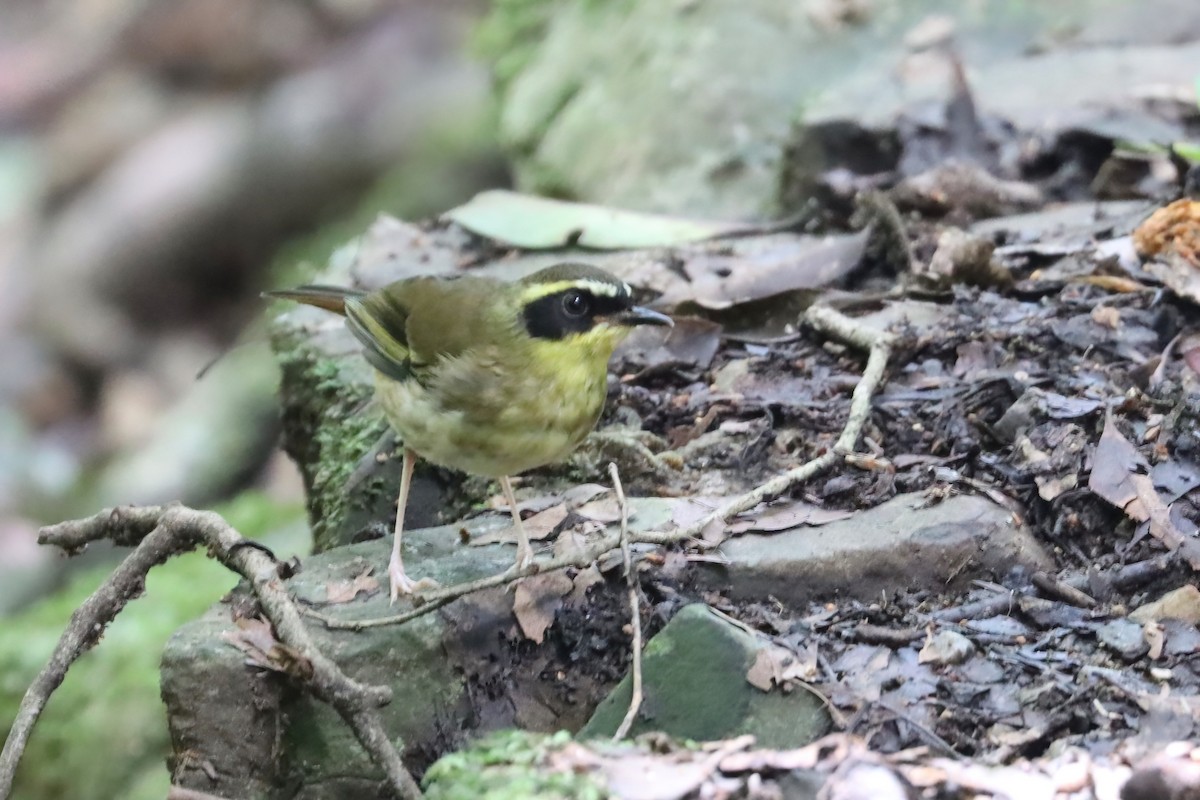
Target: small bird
x,y
484,376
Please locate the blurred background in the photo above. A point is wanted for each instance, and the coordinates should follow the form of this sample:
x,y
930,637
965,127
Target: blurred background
x,y
162,162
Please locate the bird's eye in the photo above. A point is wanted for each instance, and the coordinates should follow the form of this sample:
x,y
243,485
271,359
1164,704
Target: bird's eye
x,y
576,304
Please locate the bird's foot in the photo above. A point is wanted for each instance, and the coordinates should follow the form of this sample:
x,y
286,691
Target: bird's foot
x,y
403,585
524,555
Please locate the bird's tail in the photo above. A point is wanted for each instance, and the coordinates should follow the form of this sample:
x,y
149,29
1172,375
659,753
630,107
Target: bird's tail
x,y
330,298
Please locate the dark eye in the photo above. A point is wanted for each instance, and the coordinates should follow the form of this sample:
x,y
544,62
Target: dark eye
x,y
576,304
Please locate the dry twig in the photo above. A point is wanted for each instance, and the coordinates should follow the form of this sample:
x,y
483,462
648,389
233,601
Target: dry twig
x,y
159,532
635,700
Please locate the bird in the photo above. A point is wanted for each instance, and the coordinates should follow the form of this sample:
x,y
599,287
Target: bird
x,y
488,377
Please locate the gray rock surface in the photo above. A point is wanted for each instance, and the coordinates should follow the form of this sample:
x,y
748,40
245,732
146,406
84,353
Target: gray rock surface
x,y
454,673
901,544
730,77
695,687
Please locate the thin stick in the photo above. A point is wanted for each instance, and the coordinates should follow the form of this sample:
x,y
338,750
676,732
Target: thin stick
x,y
833,324
160,532
635,700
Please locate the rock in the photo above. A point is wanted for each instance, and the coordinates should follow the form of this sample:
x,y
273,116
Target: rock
x,y
901,544
756,66
1182,604
695,687
1124,637
455,673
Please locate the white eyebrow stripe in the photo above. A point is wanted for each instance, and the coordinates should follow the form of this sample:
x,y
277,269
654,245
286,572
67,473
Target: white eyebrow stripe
x,y
603,288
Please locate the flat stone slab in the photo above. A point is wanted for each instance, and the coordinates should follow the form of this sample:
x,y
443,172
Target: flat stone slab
x,y
908,542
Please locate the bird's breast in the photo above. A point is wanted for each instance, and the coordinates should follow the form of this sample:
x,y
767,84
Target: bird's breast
x,y
489,417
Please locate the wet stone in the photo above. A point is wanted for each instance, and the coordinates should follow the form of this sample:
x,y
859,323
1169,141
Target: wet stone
x,y
695,687
1123,637
902,544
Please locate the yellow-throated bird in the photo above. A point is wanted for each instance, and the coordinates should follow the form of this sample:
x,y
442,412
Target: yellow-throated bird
x,y
487,377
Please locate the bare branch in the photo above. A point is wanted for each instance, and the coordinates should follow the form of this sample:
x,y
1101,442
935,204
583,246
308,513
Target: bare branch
x,y
161,532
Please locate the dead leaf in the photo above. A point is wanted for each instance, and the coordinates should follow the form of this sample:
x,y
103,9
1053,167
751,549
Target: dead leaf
x,y
1112,283
583,580
1119,476
1170,239
692,342
945,647
775,665
256,639
537,599
760,267
537,528
604,510
539,223
346,590
639,777
783,516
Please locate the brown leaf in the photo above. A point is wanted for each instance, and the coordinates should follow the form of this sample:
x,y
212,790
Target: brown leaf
x,y
537,528
256,639
775,665
583,580
945,647
346,590
693,342
781,517
604,510
1170,239
1115,477
537,599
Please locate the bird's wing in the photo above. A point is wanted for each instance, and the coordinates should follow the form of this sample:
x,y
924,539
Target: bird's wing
x,y
379,321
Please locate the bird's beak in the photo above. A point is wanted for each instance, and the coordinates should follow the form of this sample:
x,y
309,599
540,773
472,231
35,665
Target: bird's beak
x,y
643,316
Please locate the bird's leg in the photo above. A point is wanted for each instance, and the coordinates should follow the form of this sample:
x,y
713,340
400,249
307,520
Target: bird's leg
x,y
400,582
524,551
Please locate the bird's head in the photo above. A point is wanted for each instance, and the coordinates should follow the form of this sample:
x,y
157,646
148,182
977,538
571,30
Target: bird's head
x,y
580,308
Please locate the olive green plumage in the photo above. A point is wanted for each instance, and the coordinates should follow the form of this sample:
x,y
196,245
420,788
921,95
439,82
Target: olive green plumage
x,y
484,376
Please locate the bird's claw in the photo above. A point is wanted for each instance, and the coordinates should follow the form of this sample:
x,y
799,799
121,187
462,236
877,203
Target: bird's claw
x,y
401,584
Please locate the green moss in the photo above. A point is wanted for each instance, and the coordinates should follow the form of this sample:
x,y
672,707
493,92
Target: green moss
x,y
509,35
75,750
330,424
508,766
696,655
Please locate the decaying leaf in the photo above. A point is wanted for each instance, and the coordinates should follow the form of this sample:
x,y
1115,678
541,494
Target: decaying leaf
x,y
782,516
692,342
762,267
945,647
539,223
346,590
603,510
537,599
1119,475
256,639
775,665
1170,238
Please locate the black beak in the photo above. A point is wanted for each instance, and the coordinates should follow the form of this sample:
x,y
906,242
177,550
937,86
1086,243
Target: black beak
x,y
644,316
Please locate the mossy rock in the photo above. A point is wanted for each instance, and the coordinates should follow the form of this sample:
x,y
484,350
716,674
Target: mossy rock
x,y
695,687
